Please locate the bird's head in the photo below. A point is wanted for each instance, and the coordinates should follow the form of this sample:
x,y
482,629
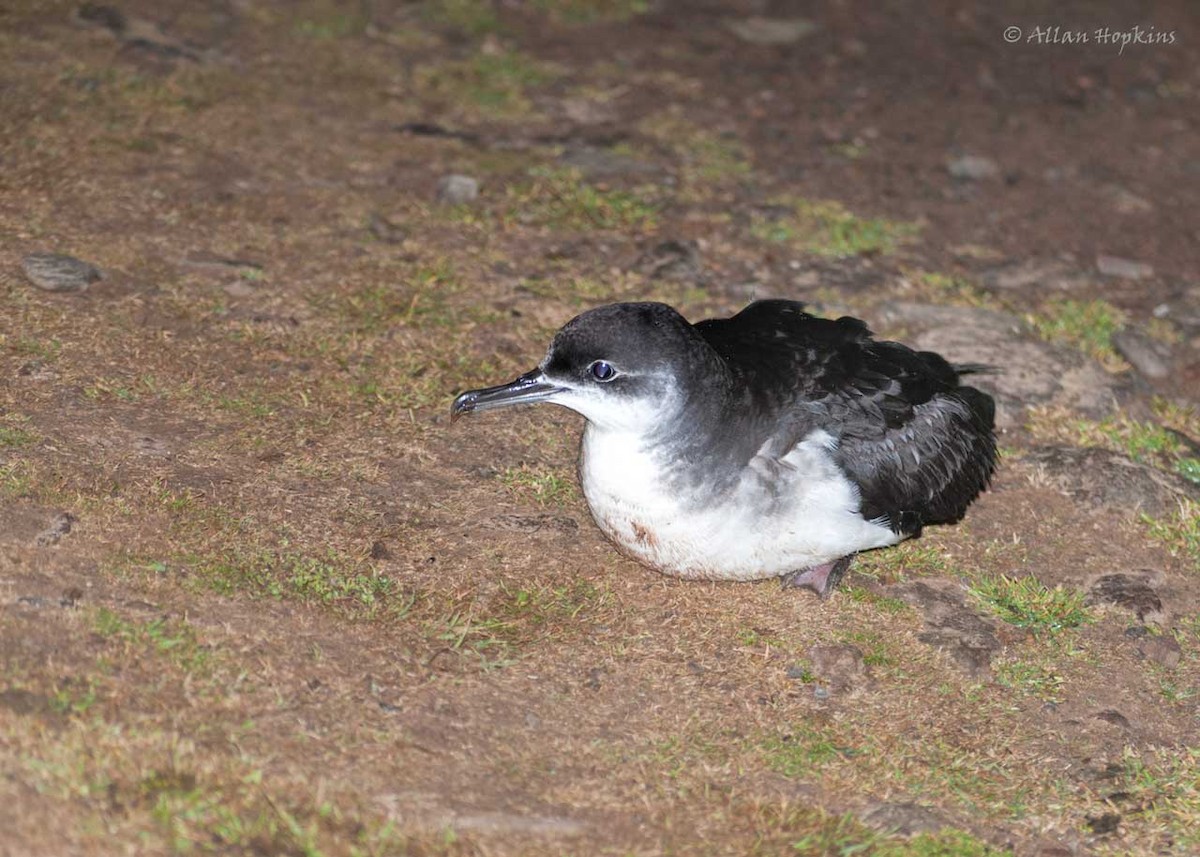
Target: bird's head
x,y
620,366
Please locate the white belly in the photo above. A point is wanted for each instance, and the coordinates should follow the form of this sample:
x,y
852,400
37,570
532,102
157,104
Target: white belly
x,y
781,516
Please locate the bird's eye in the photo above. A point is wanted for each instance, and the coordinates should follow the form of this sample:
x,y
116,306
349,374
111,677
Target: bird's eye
x,y
602,371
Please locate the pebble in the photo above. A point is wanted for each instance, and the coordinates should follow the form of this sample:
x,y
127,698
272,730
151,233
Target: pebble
x,y
972,168
772,31
1132,593
839,665
904,817
456,189
1161,650
59,527
58,272
1149,357
1125,269
1100,478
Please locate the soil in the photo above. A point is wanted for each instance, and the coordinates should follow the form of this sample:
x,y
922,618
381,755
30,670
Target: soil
x,y
258,595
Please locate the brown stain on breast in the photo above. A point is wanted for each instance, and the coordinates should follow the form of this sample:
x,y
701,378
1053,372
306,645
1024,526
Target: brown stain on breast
x,y
644,536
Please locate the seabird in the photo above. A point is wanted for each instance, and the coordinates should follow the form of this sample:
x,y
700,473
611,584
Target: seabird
x,y
770,444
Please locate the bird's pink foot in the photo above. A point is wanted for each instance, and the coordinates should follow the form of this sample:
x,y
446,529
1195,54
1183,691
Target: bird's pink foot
x,y
821,579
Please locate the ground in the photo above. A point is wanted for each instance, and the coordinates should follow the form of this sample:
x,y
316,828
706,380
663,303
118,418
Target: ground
x,y
259,596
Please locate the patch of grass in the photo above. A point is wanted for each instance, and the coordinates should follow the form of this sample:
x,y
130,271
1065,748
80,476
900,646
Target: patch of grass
x,y
1026,603
1179,533
174,640
875,649
161,790
330,579
1032,679
484,638
328,20
1085,325
1165,783
947,289
73,696
802,752
706,160
561,199
911,558
471,17
825,228
495,84
884,603
17,479
12,437
544,485
538,607
592,11
419,298
1146,442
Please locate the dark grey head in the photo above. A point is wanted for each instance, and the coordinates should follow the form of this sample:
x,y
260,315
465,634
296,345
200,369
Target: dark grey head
x,y
621,366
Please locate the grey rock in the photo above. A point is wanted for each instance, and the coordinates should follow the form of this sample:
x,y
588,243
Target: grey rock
x,y
972,168
597,162
1149,357
59,527
1134,594
772,31
1124,269
456,189
839,665
1029,371
1039,274
1162,650
1103,479
58,272
951,626
903,817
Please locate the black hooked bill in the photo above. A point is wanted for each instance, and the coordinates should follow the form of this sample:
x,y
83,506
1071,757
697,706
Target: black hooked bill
x,y
530,388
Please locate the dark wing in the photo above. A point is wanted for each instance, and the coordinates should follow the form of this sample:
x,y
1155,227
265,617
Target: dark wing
x,y
918,445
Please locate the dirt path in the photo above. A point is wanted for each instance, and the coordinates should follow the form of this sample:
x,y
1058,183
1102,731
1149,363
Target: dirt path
x,y
258,596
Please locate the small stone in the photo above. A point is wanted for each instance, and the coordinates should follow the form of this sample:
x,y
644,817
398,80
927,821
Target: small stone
x,y
1162,650
972,168
1132,593
57,272
798,673
840,665
904,817
1147,356
457,189
1124,269
59,527
772,31
1100,478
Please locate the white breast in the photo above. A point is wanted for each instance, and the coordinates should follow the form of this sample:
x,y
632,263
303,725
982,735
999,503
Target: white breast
x,y
783,514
